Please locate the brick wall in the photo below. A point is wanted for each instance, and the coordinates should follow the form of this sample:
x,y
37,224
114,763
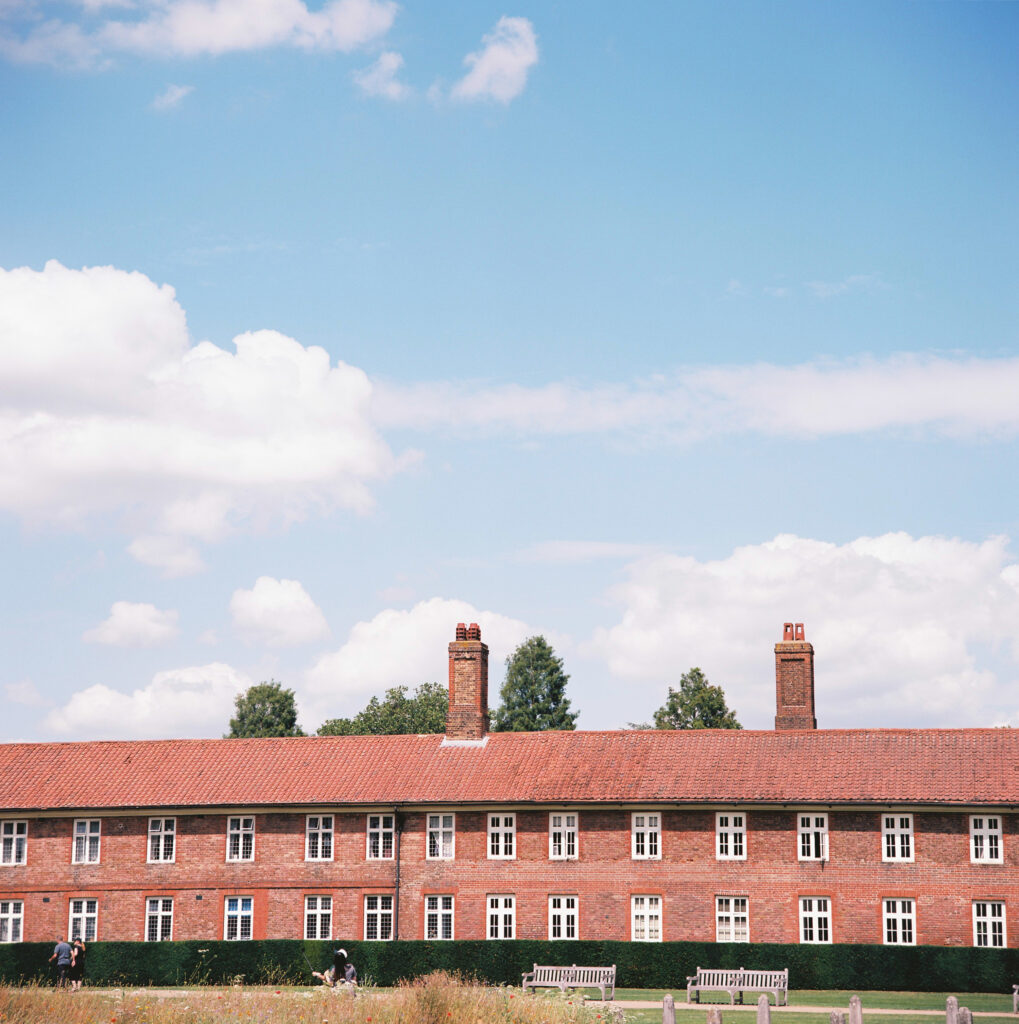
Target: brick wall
x,y
941,879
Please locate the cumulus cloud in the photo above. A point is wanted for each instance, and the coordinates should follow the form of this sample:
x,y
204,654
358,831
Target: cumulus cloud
x,y
134,625
107,406
499,70
957,396
26,693
403,648
195,701
279,613
380,78
907,631
171,97
188,28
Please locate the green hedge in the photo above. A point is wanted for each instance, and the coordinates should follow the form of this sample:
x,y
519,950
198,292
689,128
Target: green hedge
x,y
640,965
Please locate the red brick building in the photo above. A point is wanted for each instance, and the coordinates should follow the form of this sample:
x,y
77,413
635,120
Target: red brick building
x,y
793,835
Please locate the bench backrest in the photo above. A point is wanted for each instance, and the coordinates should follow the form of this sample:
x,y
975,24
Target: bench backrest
x,y
741,976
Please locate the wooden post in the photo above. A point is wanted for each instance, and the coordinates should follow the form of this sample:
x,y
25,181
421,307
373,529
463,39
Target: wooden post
x,y
763,1010
951,1010
855,1010
836,1017
668,1009
714,1015
965,1017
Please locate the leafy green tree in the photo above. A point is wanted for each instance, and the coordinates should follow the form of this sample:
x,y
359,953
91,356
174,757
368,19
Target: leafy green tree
x,y
534,691
265,709
395,714
695,705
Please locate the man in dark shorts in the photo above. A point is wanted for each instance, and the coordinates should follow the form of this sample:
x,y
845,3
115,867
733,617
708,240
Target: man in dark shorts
x,y
62,955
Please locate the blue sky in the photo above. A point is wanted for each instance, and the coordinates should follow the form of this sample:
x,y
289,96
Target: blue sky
x,y
324,327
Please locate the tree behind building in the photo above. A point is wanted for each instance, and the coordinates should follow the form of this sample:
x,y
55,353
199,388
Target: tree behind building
x,y
695,705
266,709
534,691
396,714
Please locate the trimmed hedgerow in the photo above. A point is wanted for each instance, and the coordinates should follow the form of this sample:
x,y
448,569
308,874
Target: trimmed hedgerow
x,y
639,964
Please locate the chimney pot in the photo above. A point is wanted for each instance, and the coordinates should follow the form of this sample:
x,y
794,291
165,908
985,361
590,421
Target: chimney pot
x,y
787,631
461,631
473,631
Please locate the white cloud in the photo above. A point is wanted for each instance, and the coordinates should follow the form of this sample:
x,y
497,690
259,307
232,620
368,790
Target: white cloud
x,y
26,693
403,648
171,97
945,395
580,551
195,701
499,70
907,631
187,28
380,78
107,406
279,613
852,283
134,625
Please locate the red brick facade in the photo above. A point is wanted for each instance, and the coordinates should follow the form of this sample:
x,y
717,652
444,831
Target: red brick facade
x,y
947,872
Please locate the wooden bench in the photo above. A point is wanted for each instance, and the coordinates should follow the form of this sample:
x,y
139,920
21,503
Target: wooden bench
x,y
736,981
564,978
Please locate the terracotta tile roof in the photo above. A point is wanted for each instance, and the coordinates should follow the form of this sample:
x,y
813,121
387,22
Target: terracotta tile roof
x,y
879,766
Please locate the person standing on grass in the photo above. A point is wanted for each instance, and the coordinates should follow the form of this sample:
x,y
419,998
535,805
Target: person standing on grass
x,y
62,955
77,973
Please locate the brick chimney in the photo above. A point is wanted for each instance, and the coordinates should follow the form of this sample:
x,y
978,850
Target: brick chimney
x,y
794,680
467,717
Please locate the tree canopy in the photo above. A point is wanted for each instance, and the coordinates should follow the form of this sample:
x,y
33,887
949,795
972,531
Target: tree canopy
x,y
534,691
396,713
266,709
695,705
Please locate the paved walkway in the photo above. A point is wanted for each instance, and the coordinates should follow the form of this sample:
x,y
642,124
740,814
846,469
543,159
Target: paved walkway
x,y
868,1009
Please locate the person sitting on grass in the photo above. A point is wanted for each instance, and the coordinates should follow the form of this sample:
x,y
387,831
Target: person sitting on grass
x,y
342,974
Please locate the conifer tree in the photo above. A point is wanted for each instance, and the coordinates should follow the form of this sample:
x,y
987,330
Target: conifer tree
x,y
695,705
534,691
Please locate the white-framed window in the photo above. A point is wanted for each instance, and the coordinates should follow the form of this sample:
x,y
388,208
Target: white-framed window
x,y
378,918
318,837
238,914
646,918
897,837
813,836
730,835
646,835
502,832
158,919
985,839
381,836
815,919
86,841
82,918
13,844
439,917
441,836
162,839
900,922
12,918
989,923
240,838
318,917
562,836
562,917
732,919
502,917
